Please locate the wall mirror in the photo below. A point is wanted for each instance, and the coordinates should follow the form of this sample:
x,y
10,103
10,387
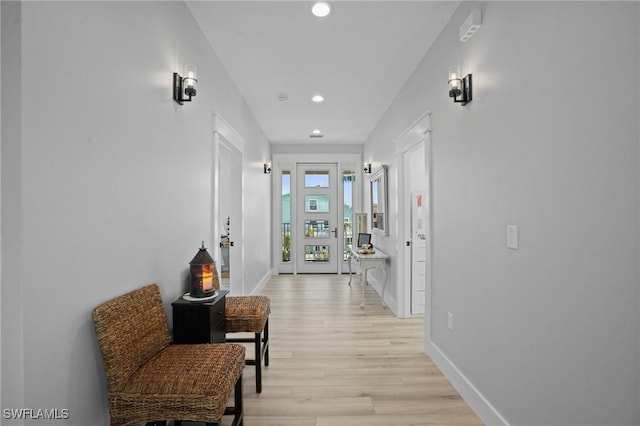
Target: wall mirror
x,y
379,222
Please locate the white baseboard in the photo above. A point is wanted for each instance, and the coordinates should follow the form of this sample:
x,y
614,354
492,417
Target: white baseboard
x,y
389,302
483,408
263,281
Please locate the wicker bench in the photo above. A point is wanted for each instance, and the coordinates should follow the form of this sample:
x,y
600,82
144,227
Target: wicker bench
x,y
150,380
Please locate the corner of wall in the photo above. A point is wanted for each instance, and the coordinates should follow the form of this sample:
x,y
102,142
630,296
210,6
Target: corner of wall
x,y
638,121
0,195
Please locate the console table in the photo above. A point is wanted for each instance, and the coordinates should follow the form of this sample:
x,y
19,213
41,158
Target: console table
x,y
199,322
377,260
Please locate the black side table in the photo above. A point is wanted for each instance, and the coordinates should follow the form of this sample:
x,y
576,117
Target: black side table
x,y
199,322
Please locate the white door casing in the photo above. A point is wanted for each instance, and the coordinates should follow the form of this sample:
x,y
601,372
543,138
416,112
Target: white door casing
x,y
287,164
228,180
413,152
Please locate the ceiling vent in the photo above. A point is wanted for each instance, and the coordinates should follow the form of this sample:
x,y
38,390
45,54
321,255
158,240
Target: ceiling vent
x,y
470,26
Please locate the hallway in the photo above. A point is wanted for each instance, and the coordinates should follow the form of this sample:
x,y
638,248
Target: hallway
x,y
108,183
334,364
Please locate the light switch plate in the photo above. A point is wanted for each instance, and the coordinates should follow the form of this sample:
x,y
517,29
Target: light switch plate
x,y
512,237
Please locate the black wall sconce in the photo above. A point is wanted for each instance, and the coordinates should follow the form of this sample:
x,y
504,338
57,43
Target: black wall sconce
x,y
459,88
367,168
184,88
267,168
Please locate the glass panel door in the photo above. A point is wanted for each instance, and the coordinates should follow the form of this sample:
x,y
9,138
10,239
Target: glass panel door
x,y
317,219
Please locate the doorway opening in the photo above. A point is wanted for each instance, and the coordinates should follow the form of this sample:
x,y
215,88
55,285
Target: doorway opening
x,y
314,210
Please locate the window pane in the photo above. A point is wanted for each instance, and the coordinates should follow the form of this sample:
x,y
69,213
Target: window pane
x,y
286,216
316,179
316,253
378,220
375,218
316,203
316,229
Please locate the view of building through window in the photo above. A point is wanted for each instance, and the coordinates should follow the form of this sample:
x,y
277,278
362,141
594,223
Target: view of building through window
x,y
286,216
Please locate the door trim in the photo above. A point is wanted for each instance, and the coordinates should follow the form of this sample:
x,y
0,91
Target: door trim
x,y
419,132
226,136
289,162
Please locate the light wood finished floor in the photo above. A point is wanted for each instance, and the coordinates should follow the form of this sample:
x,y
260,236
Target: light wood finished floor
x,y
334,364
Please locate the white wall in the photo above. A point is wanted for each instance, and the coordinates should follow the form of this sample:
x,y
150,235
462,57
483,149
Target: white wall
x,y
12,311
0,201
114,179
256,216
547,334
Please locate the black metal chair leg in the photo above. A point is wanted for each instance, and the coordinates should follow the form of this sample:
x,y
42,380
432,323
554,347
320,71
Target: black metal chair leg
x,y
266,343
239,407
258,348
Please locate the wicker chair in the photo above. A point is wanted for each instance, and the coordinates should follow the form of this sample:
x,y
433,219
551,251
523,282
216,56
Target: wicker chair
x,y
250,314
149,379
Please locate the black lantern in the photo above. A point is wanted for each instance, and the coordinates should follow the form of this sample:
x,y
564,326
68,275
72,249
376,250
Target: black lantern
x,y
184,88
204,276
459,88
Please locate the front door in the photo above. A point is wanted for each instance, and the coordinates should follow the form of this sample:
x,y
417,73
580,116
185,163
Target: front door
x,y
317,219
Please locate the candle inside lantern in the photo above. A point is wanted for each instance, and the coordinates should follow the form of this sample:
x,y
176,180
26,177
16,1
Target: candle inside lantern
x,y
454,81
190,80
207,278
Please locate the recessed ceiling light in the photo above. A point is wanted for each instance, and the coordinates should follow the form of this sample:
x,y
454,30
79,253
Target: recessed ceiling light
x,y
321,9
316,134
317,98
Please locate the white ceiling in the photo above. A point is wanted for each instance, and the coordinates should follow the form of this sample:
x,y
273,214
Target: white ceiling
x,y
358,58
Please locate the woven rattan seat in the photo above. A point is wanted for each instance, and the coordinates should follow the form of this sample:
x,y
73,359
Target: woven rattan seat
x,y
246,313
150,380
250,314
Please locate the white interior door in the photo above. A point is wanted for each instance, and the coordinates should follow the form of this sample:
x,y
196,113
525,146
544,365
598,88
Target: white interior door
x,y
414,202
418,252
227,226
317,219
413,152
225,204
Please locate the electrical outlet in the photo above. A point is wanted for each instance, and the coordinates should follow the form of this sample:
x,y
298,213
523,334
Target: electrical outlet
x,y
512,237
450,321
